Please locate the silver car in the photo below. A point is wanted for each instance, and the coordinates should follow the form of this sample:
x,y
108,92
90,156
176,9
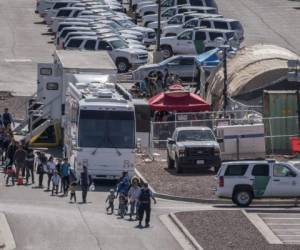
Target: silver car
x,y
181,65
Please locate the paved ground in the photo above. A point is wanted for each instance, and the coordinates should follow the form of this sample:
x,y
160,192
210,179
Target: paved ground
x,y
268,21
39,221
226,230
23,43
285,226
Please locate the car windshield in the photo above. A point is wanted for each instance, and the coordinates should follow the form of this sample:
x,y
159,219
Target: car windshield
x,y
106,129
118,44
126,24
195,135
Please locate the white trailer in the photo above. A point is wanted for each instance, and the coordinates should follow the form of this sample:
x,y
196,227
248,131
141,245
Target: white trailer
x,y
242,142
47,109
99,129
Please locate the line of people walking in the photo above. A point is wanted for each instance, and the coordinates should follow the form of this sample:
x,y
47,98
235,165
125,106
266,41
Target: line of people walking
x,y
131,194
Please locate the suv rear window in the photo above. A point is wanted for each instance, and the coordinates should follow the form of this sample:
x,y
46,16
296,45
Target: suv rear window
x,y
236,170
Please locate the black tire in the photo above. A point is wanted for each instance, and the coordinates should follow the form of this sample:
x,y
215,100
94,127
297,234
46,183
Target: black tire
x,y
146,24
170,162
166,51
122,65
177,166
242,197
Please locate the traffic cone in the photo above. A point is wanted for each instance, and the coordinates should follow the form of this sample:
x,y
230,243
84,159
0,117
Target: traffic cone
x,y
20,181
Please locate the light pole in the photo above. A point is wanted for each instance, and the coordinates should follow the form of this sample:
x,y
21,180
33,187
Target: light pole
x,y
158,26
294,76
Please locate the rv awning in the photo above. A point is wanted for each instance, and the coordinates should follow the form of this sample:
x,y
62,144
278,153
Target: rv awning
x,y
179,101
208,59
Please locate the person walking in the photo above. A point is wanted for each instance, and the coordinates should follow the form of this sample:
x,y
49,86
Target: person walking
x,y
145,204
7,119
58,169
72,190
41,167
55,182
11,150
110,199
19,160
30,166
51,167
85,181
65,173
133,195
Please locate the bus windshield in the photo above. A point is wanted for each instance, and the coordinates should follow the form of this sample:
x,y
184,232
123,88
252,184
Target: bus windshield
x,y
106,129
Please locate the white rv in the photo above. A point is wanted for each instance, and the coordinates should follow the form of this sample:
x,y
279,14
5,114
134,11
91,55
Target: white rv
x,y
99,130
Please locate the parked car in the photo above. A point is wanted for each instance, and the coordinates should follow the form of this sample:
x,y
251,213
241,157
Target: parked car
x,y
181,18
62,13
123,56
214,22
195,147
153,8
193,41
243,181
181,65
172,11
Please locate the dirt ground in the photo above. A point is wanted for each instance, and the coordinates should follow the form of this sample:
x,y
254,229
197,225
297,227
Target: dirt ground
x,y
190,184
210,229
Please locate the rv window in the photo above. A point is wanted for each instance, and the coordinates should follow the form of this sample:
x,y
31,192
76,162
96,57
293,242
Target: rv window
x,y
52,86
45,71
106,129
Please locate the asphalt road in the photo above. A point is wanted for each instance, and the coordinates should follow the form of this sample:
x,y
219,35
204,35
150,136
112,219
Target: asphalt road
x,y
23,43
268,21
40,221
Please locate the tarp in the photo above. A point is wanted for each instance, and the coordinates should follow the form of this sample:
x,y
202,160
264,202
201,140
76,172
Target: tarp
x,y
179,101
208,60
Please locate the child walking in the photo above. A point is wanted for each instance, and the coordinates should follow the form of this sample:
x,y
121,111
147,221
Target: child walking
x,y
110,199
55,182
72,190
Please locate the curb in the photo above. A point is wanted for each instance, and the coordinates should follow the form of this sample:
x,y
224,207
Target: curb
x,y
212,201
7,241
185,231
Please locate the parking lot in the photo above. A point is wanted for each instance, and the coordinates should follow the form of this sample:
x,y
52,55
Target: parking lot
x,y
286,226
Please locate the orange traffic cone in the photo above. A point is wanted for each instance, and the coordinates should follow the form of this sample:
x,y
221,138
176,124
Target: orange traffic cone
x,y
20,181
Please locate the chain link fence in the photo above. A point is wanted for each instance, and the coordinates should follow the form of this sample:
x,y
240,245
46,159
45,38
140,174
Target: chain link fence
x,y
278,130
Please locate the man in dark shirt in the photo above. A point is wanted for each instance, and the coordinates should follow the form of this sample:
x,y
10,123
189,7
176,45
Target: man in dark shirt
x,y
85,181
19,159
145,204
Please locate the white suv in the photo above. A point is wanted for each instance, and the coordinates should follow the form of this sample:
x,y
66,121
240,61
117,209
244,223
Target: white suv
x,y
123,56
242,181
193,41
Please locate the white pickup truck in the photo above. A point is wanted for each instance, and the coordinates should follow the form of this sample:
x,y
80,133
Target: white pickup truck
x,y
193,147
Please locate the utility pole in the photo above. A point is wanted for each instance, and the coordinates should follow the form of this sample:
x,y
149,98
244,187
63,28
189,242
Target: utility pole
x,y
225,78
158,26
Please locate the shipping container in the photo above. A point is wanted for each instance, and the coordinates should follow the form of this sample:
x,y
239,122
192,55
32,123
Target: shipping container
x,y
280,119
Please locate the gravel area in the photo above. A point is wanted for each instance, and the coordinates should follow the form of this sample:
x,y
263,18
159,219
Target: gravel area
x,y
226,230
192,183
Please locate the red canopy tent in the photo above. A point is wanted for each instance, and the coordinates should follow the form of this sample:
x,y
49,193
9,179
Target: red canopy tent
x,y
178,100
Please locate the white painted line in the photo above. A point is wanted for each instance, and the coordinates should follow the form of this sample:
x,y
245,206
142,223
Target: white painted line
x,y
262,227
280,224
288,235
18,60
5,233
281,218
177,234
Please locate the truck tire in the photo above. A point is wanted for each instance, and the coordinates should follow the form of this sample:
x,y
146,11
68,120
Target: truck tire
x,y
242,197
122,65
166,51
170,162
178,166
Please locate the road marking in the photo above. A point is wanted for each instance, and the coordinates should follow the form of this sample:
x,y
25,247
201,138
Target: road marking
x,y
280,224
262,227
6,236
281,218
17,60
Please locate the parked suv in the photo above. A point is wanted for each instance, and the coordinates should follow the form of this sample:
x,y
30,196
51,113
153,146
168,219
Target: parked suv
x,y
193,147
193,41
214,22
242,181
123,56
149,9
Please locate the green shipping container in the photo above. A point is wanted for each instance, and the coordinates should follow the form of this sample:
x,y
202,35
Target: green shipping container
x,y
281,122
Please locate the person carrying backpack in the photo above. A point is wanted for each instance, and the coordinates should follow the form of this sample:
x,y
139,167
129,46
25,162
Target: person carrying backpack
x,y
145,204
